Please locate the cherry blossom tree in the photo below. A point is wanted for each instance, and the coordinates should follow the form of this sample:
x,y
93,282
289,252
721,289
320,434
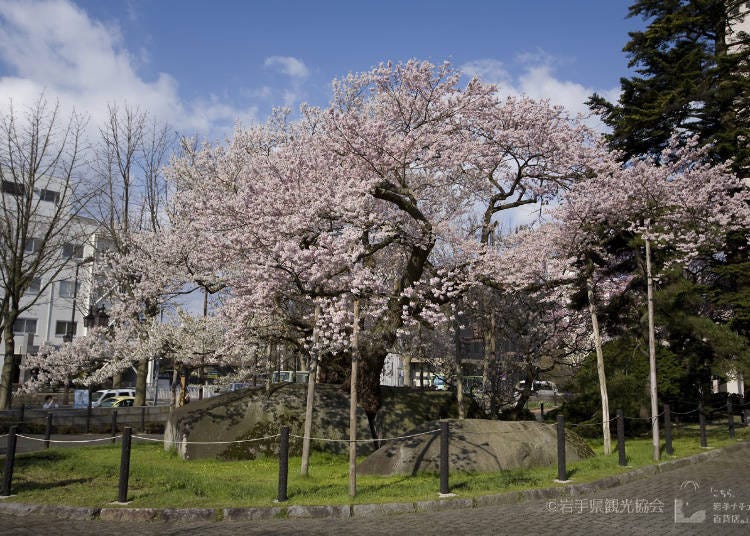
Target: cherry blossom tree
x,y
372,197
676,201
132,150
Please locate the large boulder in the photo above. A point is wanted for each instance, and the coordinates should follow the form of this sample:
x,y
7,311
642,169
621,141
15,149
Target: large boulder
x,y
227,426
475,446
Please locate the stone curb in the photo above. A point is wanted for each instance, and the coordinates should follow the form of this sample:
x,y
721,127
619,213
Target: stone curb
x,y
352,510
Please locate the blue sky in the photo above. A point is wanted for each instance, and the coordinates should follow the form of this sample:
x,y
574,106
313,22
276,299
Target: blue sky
x,y
201,65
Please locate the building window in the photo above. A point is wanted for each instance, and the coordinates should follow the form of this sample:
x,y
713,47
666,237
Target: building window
x,y
104,244
74,251
33,245
49,195
67,289
13,188
35,285
62,327
24,325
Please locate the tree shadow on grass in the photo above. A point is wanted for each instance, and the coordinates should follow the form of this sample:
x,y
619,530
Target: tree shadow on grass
x,y
21,486
375,487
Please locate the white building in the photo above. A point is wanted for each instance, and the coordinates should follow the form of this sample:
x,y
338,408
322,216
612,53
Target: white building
x,y
63,296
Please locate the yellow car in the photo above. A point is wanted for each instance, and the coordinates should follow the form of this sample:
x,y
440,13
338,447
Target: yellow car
x,y
118,402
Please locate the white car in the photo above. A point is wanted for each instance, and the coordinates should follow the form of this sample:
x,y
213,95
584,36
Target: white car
x,y
99,396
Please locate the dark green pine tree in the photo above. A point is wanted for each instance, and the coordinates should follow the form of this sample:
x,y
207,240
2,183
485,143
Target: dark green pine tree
x,y
692,65
693,78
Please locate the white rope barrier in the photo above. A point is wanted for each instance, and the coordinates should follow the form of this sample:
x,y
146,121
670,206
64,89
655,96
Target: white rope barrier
x,y
156,439
365,440
67,440
182,442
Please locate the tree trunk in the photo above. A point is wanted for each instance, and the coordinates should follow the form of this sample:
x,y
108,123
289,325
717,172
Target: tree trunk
x,y
183,388
312,369
140,383
599,365
459,375
488,393
9,365
652,354
407,371
269,369
173,402
353,404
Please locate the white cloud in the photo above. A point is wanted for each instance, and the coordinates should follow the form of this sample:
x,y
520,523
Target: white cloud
x,y
538,80
288,65
53,46
488,70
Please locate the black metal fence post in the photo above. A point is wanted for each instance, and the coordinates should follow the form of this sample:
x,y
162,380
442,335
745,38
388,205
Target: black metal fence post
x,y
562,472
10,460
444,487
88,415
541,410
730,418
48,431
114,425
702,423
122,495
668,430
283,464
621,438
21,412
743,411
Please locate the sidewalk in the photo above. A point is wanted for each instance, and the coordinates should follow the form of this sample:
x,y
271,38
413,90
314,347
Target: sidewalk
x,y
706,494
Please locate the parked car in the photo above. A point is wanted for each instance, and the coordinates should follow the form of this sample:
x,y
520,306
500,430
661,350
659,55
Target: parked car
x,y
236,386
538,388
439,383
118,402
101,395
290,376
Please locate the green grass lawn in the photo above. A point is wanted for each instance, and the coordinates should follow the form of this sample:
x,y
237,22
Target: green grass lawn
x,y
88,476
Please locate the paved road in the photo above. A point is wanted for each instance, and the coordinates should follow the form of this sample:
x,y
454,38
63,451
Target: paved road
x,y
715,494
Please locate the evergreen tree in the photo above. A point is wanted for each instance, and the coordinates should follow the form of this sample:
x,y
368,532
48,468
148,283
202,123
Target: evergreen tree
x,y
692,65
693,78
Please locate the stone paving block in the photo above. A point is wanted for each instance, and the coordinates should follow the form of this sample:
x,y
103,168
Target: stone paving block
x,y
367,510
580,489
445,504
69,512
606,483
647,471
316,512
542,493
130,514
500,498
674,464
188,514
18,509
247,514
630,476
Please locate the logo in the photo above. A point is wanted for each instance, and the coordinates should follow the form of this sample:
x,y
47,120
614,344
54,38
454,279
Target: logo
x,y
690,484
699,516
